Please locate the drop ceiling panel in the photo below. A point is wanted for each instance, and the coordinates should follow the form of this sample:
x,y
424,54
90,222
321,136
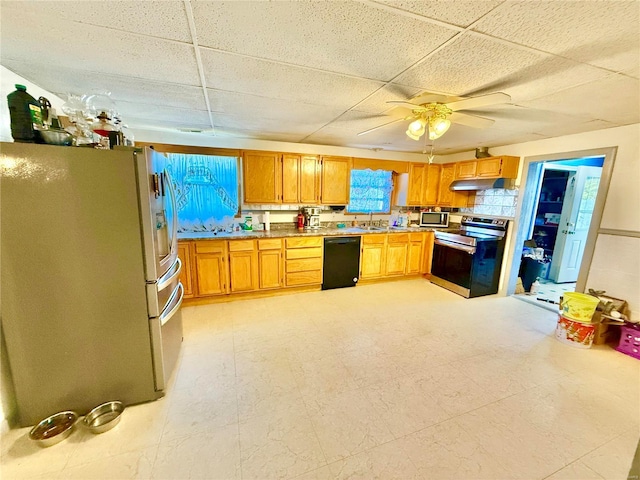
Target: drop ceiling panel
x,y
268,79
377,103
258,123
183,116
346,37
603,33
602,100
461,12
163,19
71,45
63,81
274,109
468,64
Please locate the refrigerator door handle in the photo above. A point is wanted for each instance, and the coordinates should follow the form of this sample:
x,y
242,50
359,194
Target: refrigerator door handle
x,y
174,205
170,276
174,304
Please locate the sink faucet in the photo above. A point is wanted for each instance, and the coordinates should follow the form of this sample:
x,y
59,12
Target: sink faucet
x,y
370,218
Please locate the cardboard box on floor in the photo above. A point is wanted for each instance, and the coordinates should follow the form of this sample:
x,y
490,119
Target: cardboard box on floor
x,y
607,329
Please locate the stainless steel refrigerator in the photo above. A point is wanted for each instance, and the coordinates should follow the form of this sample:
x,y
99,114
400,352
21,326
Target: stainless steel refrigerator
x,y
90,288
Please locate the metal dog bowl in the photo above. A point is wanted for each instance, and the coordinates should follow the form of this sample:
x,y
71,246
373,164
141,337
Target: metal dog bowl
x,y
104,417
53,429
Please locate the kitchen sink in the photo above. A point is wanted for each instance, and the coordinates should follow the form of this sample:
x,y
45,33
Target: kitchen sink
x,y
369,229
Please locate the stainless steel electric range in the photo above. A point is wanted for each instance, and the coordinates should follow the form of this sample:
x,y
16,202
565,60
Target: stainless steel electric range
x,y
468,261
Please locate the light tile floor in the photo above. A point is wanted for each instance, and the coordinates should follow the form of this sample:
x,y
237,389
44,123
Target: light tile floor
x,y
398,380
549,290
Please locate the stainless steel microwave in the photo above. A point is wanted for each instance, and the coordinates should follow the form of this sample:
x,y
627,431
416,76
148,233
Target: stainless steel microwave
x,y
434,219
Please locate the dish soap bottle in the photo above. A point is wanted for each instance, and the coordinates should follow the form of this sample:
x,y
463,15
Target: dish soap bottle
x,y
248,221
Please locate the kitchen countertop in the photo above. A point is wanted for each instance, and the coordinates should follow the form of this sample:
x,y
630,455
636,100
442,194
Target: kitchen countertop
x,y
294,232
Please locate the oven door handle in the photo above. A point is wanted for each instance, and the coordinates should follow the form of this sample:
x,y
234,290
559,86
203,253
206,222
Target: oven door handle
x,y
456,246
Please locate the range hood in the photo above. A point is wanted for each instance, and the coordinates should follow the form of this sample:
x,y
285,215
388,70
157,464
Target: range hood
x,y
481,184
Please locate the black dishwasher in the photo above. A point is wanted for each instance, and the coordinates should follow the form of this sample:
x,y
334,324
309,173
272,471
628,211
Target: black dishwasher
x,y
341,262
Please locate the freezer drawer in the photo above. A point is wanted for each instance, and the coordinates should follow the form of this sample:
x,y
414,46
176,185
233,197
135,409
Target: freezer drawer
x,y
160,293
166,339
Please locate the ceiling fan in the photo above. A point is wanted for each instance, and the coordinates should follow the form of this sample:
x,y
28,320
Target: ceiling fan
x,y
433,114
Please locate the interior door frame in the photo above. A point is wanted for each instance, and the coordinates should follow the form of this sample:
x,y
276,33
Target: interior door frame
x,y
527,197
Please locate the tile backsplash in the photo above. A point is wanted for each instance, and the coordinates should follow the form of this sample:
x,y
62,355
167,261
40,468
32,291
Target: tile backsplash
x,y
494,201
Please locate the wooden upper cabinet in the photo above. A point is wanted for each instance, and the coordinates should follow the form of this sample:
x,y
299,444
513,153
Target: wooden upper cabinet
x,y
416,183
496,167
336,177
466,169
262,177
431,185
446,197
309,179
290,178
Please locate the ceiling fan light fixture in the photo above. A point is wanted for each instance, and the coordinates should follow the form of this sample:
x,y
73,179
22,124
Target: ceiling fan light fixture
x,y
438,126
416,129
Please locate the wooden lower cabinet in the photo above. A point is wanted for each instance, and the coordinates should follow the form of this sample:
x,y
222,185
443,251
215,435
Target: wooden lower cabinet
x,y
184,254
270,267
303,264
396,255
414,254
429,237
221,267
211,268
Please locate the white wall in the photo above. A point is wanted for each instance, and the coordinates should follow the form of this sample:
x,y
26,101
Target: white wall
x,y
616,263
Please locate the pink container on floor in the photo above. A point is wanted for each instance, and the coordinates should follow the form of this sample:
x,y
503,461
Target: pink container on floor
x,y
629,341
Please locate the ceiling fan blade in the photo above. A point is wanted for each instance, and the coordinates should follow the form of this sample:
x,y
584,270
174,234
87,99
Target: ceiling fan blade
x,y
380,126
471,120
476,102
410,105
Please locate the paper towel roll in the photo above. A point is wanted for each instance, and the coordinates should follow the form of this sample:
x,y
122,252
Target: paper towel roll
x,y
265,220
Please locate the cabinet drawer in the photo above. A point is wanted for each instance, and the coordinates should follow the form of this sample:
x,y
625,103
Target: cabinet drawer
x,y
304,253
210,247
374,239
304,264
416,237
399,238
301,242
241,245
270,244
304,278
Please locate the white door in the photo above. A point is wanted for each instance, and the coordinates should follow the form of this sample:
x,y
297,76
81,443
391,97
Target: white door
x,y
577,209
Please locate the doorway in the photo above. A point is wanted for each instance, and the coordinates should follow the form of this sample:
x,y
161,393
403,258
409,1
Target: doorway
x,y
561,207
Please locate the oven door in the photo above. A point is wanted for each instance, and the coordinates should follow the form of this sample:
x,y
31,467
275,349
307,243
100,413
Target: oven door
x,y
452,266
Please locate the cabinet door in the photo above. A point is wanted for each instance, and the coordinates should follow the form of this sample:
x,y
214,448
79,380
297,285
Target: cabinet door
x,y
429,237
243,270
431,185
262,177
290,178
336,175
270,265
210,274
447,175
396,259
466,169
490,167
446,197
309,179
184,254
414,257
416,183
372,261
